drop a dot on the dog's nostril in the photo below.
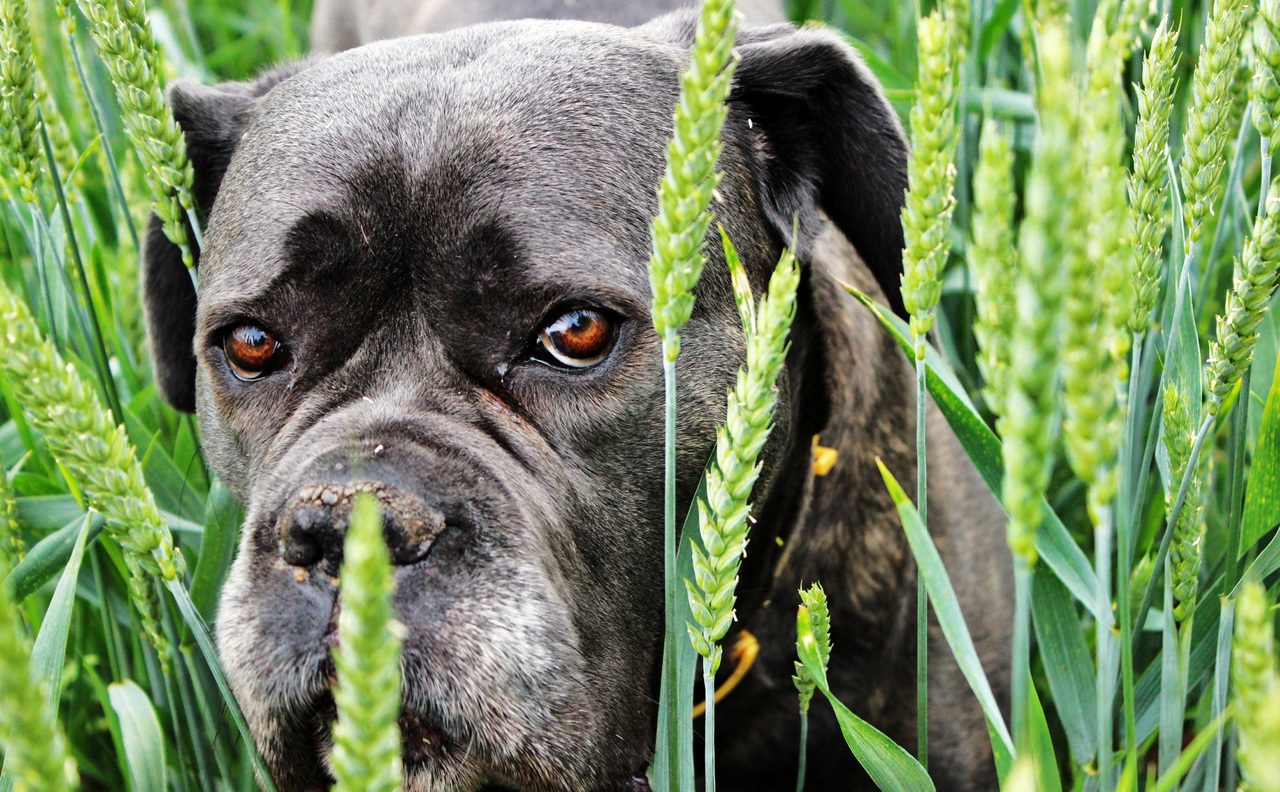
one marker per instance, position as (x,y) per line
(410,534)
(300,548)
(312,531)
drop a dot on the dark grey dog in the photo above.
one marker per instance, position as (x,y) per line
(426,260)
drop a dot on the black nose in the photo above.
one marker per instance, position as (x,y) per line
(313,524)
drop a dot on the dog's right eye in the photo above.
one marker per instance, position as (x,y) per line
(577,339)
(250,351)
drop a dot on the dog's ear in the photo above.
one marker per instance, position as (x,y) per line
(212,120)
(831,141)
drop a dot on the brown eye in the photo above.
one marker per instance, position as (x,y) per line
(579,338)
(250,350)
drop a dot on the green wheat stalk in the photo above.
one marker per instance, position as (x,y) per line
(993,256)
(1096,338)
(1256,690)
(1188,533)
(1091,415)
(814,599)
(1148,188)
(1029,400)
(678,237)
(723,516)
(1264,90)
(85,439)
(684,194)
(366,737)
(35,752)
(1204,141)
(1254,280)
(1182,566)
(127,46)
(19,104)
(1148,181)
(11,546)
(926,223)
(1042,246)
(931,176)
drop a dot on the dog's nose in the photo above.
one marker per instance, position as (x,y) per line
(313,524)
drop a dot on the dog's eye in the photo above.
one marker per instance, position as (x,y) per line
(578,339)
(250,351)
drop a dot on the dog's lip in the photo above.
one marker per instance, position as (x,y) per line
(422,739)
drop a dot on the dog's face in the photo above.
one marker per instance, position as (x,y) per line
(425,275)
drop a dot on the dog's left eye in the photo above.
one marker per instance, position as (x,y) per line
(577,339)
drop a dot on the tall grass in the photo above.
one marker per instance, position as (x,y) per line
(1092,252)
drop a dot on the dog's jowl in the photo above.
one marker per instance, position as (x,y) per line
(425,274)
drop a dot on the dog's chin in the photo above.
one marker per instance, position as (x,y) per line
(432,760)
(436,757)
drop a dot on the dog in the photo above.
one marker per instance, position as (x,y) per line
(425,276)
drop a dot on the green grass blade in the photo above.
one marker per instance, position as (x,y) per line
(890,767)
(1268,561)
(1067,663)
(947,608)
(1169,779)
(144,753)
(223,516)
(1262,499)
(993,29)
(1056,547)
(49,653)
(1171,692)
(1204,628)
(50,556)
(50,513)
(205,642)
(1042,748)
(1221,681)
(682,656)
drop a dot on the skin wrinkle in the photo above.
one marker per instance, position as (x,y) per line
(405,217)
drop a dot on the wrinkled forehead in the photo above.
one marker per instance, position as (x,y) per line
(555,136)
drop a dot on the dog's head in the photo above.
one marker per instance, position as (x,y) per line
(426,275)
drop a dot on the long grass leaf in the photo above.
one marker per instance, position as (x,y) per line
(1042,748)
(1262,499)
(1169,780)
(1171,692)
(223,515)
(49,653)
(51,555)
(144,752)
(947,607)
(1067,664)
(1221,677)
(205,643)
(682,657)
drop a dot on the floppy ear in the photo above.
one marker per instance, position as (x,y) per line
(212,120)
(831,142)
